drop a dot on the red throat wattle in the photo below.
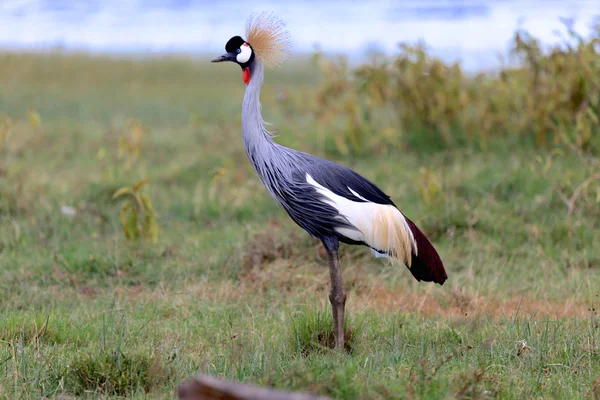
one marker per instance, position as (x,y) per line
(246,75)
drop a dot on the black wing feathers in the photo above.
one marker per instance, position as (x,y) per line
(426,265)
(338,179)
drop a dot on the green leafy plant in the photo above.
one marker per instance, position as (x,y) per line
(138,219)
(430,186)
(130,143)
(6,125)
(34,119)
(119,158)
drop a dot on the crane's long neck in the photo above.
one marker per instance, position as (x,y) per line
(257,140)
(271,161)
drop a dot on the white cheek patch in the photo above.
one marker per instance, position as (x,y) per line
(245,54)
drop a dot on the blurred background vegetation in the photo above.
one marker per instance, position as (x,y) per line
(196,269)
(419,101)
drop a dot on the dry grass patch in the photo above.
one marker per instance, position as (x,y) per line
(458,302)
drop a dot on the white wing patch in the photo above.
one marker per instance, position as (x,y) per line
(356,194)
(381,226)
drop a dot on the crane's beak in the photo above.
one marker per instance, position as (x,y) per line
(225,57)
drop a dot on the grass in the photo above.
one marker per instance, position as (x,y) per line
(234,289)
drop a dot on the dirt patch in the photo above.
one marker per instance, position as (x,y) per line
(461,303)
(88,291)
(377,298)
(269,245)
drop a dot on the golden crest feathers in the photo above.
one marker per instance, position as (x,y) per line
(269,38)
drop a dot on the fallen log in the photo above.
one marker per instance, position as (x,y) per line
(206,387)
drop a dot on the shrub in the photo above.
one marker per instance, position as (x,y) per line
(416,98)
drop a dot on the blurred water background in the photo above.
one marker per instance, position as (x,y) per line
(475,32)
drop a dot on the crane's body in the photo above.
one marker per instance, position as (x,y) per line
(331,202)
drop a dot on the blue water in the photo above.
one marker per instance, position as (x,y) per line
(475,32)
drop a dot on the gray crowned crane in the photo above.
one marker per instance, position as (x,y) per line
(331,202)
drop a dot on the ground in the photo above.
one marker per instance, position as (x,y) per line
(233,288)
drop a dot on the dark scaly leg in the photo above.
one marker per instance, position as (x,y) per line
(337,297)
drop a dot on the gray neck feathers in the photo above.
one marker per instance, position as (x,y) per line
(273,163)
(257,139)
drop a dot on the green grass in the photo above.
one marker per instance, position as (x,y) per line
(234,289)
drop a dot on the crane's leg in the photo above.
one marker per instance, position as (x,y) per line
(337,297)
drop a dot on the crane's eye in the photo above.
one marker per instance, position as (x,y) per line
(239,51)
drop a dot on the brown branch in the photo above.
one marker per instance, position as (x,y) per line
(206,387)
(590,162)
(578,191)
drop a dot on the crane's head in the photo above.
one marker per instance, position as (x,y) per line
(239,52)
(267,41)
